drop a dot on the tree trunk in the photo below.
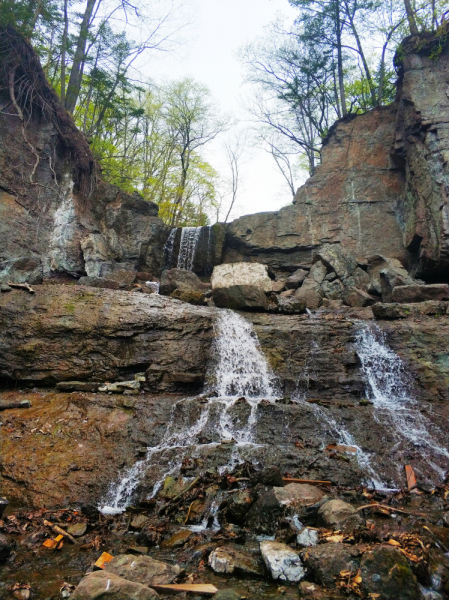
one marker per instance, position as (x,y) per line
(362,55)
(76,74)
(411,18)
(341,81)
(63,49)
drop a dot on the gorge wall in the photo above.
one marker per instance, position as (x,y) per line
(382,187)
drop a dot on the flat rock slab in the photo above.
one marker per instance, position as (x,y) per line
(282,561)
(143,569)
(100,584)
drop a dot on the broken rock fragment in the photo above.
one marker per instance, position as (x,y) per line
(282,561)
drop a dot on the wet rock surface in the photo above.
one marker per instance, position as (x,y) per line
(108,585)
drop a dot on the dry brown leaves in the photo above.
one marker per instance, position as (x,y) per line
(349,582)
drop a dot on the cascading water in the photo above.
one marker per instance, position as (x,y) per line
(239,369)
(388,387)
(169,248)
(187,247)
(194,249)
(342,436)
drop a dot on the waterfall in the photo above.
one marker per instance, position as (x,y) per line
(338,430)
(187,247)
(238,368)
(389,388)
(169,248)
(194,249)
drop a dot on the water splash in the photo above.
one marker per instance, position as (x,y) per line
(239,369)
(389,388)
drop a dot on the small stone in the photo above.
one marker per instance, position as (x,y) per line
(179,539)
(307,537)
(298,494)
(335,512)
(282,562)
(4,287)
(77,529)
(139,521)
(295,280)
(269,476)
(228,559)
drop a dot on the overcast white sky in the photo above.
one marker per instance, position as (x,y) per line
(219,29)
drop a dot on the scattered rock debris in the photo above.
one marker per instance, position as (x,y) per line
(377,545)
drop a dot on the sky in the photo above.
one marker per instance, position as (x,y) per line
(219,28)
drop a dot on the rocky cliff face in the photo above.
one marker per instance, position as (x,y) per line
(382,187)
(65,333)
(57,218)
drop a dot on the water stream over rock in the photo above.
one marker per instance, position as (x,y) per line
(390,388)
(239,372)
(190,248)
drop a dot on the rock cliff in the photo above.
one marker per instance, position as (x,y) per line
(382,187)
(57,218)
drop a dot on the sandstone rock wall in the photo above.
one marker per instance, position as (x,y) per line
(382,187)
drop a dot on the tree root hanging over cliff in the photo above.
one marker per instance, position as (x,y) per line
(23,80)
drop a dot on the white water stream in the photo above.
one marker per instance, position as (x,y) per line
(238,369)
(389,388)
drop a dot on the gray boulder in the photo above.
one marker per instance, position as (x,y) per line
(295,280)
(291,305)
(101,584)
(318,272)
(180,278)
(338,259)
(240,297)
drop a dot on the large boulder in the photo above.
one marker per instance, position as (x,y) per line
(325,562)
(241,297)
(241,274)
(282,561)
(386,572)
(102,584)
(143,569)
(420,293)
(336,258)
(173,279)
(310,293)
